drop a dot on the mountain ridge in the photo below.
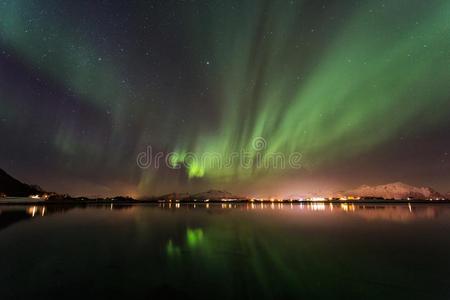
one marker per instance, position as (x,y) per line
(396,190)
(11,187)
(207,195)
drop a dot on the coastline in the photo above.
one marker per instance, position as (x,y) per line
(76,202)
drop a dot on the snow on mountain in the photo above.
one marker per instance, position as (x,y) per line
(213,195)
(216,195)
(397,190)
(174,196)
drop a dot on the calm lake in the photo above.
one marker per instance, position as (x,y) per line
(229,251)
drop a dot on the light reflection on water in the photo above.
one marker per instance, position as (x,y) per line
(394,212)
(226,251)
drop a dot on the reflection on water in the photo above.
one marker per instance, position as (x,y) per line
(193,239)
(16,213)
(225,251)
(392,212)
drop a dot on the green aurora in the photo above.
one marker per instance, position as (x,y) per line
(333,84)
(369,84)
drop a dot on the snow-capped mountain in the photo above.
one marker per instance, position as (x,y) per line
(216,195)
(213,195)
(397,190)
(174,196)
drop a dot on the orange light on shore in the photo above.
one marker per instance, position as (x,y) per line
(318,199)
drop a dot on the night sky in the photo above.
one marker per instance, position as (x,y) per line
(360,88)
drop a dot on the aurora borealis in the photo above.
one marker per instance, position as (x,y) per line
(360,88)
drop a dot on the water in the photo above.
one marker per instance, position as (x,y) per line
(225,252)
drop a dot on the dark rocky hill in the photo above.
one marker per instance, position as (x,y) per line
(11,187)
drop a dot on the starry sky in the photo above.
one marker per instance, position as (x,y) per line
(361,88)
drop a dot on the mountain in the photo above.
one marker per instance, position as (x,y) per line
(213,195)
(12,187)
(174,196)
(397,190)
(217,195)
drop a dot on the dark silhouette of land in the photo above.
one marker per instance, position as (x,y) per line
(11,187)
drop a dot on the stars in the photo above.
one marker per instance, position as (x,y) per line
(315,75)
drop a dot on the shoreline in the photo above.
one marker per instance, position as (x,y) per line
(139,202)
